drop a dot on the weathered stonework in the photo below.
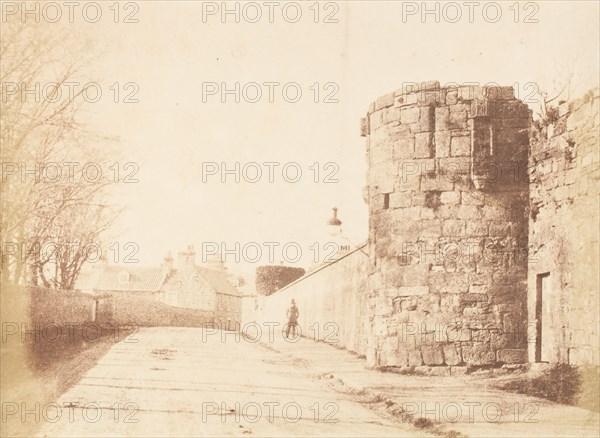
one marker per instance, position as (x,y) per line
(448,201)
(483,250)
(563,267)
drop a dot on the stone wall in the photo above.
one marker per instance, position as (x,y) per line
(563,271)
(331,301)
(448,202)
(228,311)
(128,310)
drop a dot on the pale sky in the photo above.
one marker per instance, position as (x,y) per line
(370,52)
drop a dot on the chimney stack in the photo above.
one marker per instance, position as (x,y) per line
(167,264)
(187,259)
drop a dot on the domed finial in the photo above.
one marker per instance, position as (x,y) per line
(334,220)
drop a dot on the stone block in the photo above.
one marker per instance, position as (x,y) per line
(424,145)
(413,290)
(426,212)
(371,108)
(418,199)
(442,143)
(384,101)
(390,343)
(383,306)
(512,355)
(470,298)
(459,371)
(455,334)
(415,277)
(414,358)
(442,118)
(436,182)
(468,212)
(400,200)
(478,289)
(477,228)
(381,153)
(375,120)
(408,88)
(478,354)
(377,202)
(364,127)
(408,183)
(494,212)
(405,99)
(431,97)
(509,109)
(469,92)
(458,117)
(472,197)
(499,93)
(404,148)
(410,115)
(455,283)
(460,146)
(450,197)
(452,96)
(426,119)
(432,355)
(451,354)
(430,228)
(391,115)
(412,213)
(453,227)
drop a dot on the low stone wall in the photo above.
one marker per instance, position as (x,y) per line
(331,300)
(145,312)
(564,237)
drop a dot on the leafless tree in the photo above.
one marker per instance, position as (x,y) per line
(40,212)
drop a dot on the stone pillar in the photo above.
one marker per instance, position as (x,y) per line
(448,207)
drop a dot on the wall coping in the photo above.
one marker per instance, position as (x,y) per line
(308,274)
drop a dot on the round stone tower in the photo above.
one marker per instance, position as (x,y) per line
(447,193)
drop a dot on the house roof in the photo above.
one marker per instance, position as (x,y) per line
(219,281)
(215,278)
(140,279)
(144,279)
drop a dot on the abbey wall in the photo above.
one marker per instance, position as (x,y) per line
(563,284)
(483,235)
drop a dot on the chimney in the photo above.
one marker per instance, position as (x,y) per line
(167,264)
(186,259)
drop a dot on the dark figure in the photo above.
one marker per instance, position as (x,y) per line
(292,316)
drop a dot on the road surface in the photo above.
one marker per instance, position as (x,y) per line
(195,382)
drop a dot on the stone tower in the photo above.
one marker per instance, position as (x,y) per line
(448,224)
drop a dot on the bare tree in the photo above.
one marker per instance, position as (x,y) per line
(38,128)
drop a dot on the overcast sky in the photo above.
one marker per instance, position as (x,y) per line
(171,132)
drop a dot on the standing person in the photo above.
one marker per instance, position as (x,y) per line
(292,316)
